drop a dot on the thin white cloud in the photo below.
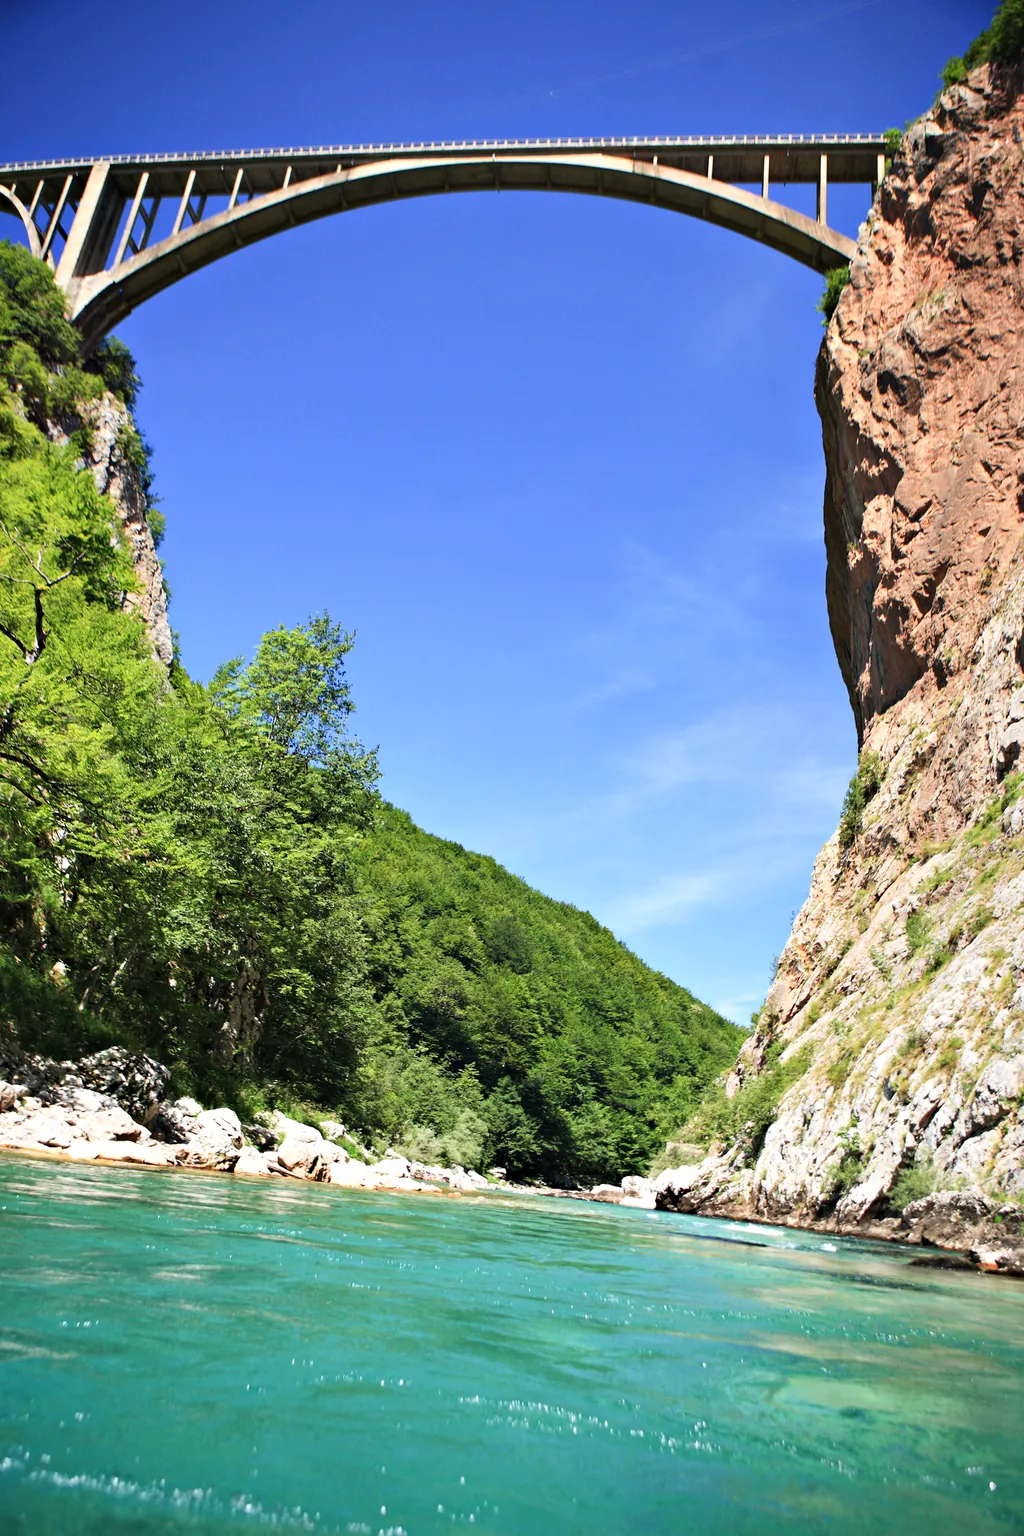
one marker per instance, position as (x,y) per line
(669,900)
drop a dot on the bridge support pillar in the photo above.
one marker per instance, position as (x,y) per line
(764,176)
(88,242)
(823,190)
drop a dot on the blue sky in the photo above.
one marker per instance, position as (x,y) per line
(554,458)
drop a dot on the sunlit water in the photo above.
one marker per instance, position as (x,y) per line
(202,1354)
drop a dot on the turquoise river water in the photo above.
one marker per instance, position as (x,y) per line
(196,1353)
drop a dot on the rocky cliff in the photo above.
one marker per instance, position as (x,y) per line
(116,457)
(899,997)
(116,463)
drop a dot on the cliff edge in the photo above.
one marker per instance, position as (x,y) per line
(898,1004)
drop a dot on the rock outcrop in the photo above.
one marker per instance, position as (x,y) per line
(118,474)
(115,456)
(902,983)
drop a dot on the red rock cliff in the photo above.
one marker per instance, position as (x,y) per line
(902,984)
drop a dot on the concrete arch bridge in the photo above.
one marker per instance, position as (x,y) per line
(118,231)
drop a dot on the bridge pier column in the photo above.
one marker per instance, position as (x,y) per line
(823,190)
(92,230)
(764,176)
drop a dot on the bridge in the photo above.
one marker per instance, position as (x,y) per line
(117,231)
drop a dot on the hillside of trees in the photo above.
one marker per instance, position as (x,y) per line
(208,873)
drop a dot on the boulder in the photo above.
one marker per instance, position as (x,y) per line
(296,1130)
(216,1142)
(252,1163)
(392,1167)
(297,1155)
(177,1122)
(46,1130)
(638,1193)
(350,1175)
(113,1124)
(150,1153)
(942,1219)
(261,1136)
(138,1083)
(611,1194)
(8,1096)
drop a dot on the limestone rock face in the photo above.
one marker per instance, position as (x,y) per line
(118,477)
(903,977)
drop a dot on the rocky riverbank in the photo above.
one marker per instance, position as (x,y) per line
(112,1108)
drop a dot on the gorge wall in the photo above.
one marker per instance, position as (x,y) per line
(114,455)
(118,474)
(900,992)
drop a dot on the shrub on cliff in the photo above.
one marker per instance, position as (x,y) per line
(836,280)
(1002,42)
(862,788)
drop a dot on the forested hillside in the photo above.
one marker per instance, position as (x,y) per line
(207,871)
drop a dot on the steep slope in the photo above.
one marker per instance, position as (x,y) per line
(585,1057)
(899,999)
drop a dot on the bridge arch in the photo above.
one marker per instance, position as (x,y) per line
(96,221)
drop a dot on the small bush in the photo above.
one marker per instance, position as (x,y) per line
(836,279)
(917,931)
(863,787)
(953,72)
(115,366)
(911,1044)
(938,959)
(842,1176)
(912,1184)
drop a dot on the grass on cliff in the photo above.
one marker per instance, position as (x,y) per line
(207,872)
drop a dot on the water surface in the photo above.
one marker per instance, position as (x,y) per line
(200,1354)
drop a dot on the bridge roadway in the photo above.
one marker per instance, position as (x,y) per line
(119,230)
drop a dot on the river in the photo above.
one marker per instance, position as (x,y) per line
(196,1353)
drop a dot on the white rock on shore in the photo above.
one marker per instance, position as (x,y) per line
(58,1108)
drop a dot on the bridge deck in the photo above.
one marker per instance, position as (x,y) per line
(117,231)
(792,158)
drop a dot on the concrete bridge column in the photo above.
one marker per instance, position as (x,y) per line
(89,238)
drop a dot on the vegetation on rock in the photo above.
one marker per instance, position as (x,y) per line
(1002,42)
(836,279)
(208,873)
(862,788)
